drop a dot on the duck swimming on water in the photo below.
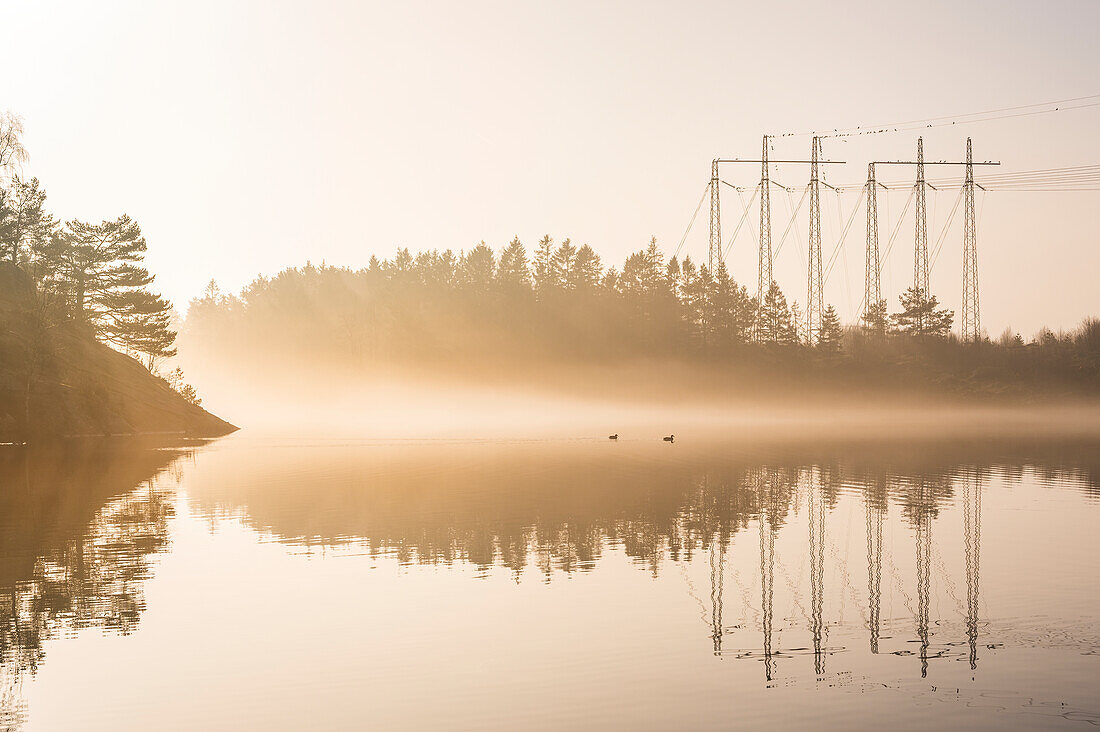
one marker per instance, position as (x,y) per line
(670,438)
(613,437)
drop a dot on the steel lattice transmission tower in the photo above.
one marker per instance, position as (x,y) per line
(814,298)
(764,266)
(920,256)
(714,251)
(971,317)
(872,274)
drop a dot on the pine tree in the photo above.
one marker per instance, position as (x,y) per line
(24,225)
(792,329)
(876,318)
(920,317)
(654,273)
(543,265)
(687,274)
(725,307)
(672,275)
(478,268)
(110,288)
(587,270)
(831,332)
(402,262)
(563,264)
(697,302)
(513,272)
(774,322)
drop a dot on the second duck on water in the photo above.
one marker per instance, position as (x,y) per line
(670,438)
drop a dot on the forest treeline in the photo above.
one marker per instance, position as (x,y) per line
(560,304)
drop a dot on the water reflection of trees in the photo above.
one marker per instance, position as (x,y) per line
(560,509)
(77,529)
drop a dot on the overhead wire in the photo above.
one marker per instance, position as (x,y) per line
(692,222)
(1064,179)
(1022,110)
(844,234)
(943,233)
(890,242)
(790,223)
(740,223)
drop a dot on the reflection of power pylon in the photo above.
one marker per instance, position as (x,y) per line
(767,569)
(717,588)
(972,527)
(924,569)
(816,519)
(875,504)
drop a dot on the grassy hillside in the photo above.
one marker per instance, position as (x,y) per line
(58,381)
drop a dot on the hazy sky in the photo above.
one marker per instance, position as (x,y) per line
(247,137)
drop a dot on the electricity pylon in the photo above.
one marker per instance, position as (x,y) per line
(920,256)
(714,251)
(764,265)
(872,277)
(971,317)
(814,298)
(920,252)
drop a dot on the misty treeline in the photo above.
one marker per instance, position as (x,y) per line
(561,304)
(86,276)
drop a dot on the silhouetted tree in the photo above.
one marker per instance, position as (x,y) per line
(876,318)
(562,265)
(732,310)
(110,287)
(799,328)
(831,332)
(543,265)
(12,152)
(513,272)
(775,323)
(587,270)
(24,224)
(479,268)
(697,292)
(920,317)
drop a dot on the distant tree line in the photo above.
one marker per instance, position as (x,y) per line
(561,302)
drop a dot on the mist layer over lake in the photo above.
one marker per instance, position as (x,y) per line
(294,583)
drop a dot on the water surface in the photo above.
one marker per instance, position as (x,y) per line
(313,584)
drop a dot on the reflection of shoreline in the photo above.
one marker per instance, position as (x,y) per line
(77,530)
(559,505)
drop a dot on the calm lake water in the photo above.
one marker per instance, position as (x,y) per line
(310,584)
